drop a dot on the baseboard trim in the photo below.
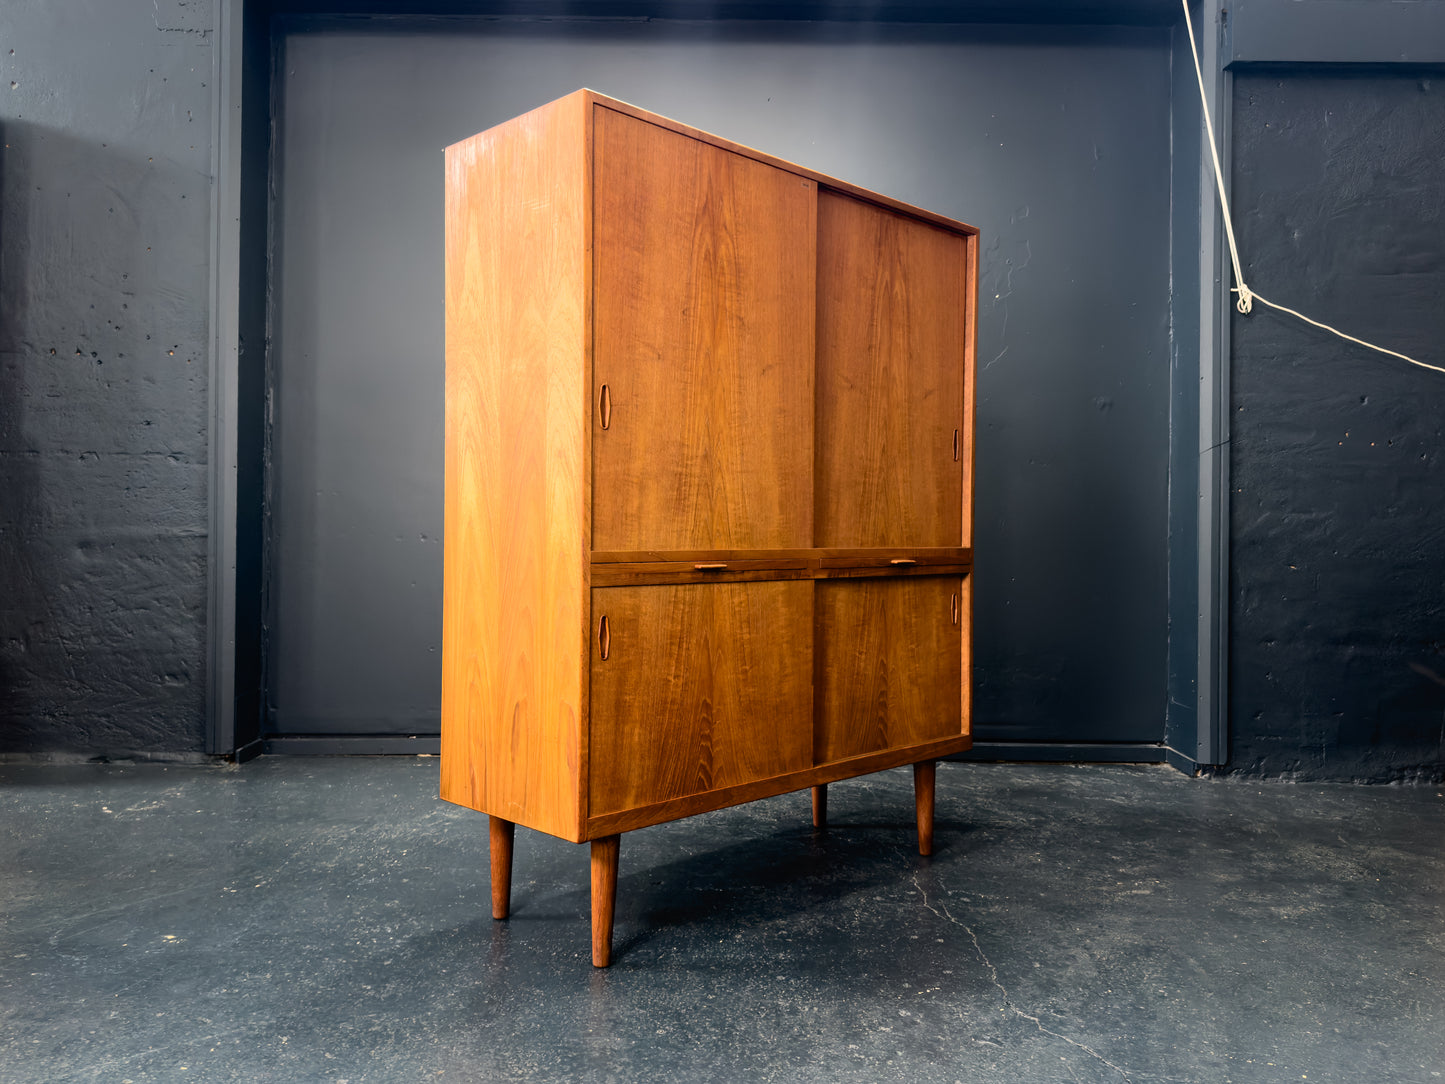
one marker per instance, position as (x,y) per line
(1067,752)
(351,745)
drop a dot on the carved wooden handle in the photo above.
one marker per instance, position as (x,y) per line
(711,566)
(903,562)
(604,637)
(955,445)
(604,406)
(955,609)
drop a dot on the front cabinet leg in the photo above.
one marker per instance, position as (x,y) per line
(502,834)
(604,897)
(820,806)
(923,776)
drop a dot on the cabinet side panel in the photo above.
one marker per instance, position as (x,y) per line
(516,411)
(890,417)
(889,664)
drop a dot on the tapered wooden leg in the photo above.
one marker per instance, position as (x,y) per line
(604,897)
(923,799)
(820,806)
(502,833)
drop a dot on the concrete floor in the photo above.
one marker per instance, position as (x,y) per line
(327,919)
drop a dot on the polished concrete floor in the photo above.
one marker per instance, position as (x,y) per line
(327,919)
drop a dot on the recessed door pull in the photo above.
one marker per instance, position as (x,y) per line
(955,445)
(903,562)
(604,406)
(955,609)
(604,638)
(711,566)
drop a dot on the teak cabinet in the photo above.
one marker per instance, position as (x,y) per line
(709,457)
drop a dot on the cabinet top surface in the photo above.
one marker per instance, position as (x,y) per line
(586,97)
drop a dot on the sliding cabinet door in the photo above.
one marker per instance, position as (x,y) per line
(697,687)
(889,663)
(703,363)
(892,307)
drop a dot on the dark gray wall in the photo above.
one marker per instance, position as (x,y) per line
(1338,459)
(103,366)
(1055,142)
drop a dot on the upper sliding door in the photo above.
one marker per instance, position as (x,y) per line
(892,310)
(703,267)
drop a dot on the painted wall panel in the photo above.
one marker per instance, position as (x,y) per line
(104,248)
(1338,456)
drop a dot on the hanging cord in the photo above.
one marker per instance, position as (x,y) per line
(1248,297)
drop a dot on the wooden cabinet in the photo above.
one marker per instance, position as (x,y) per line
(708,481)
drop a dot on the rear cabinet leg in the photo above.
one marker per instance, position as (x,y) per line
(604,897)
(923,776)
(820,806)
(502,834)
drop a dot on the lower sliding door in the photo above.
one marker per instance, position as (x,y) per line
(888,658)
(696,687)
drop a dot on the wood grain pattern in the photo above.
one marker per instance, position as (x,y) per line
(857,191)
(704,337)
(888,664)
(890,372)
(708,686)
(513,662)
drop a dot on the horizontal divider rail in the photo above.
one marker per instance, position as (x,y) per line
(640,568)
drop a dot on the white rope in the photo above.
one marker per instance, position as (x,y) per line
(1341,334)
(1248,297)
(1243,290)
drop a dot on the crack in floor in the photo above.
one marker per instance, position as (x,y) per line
(941,911)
